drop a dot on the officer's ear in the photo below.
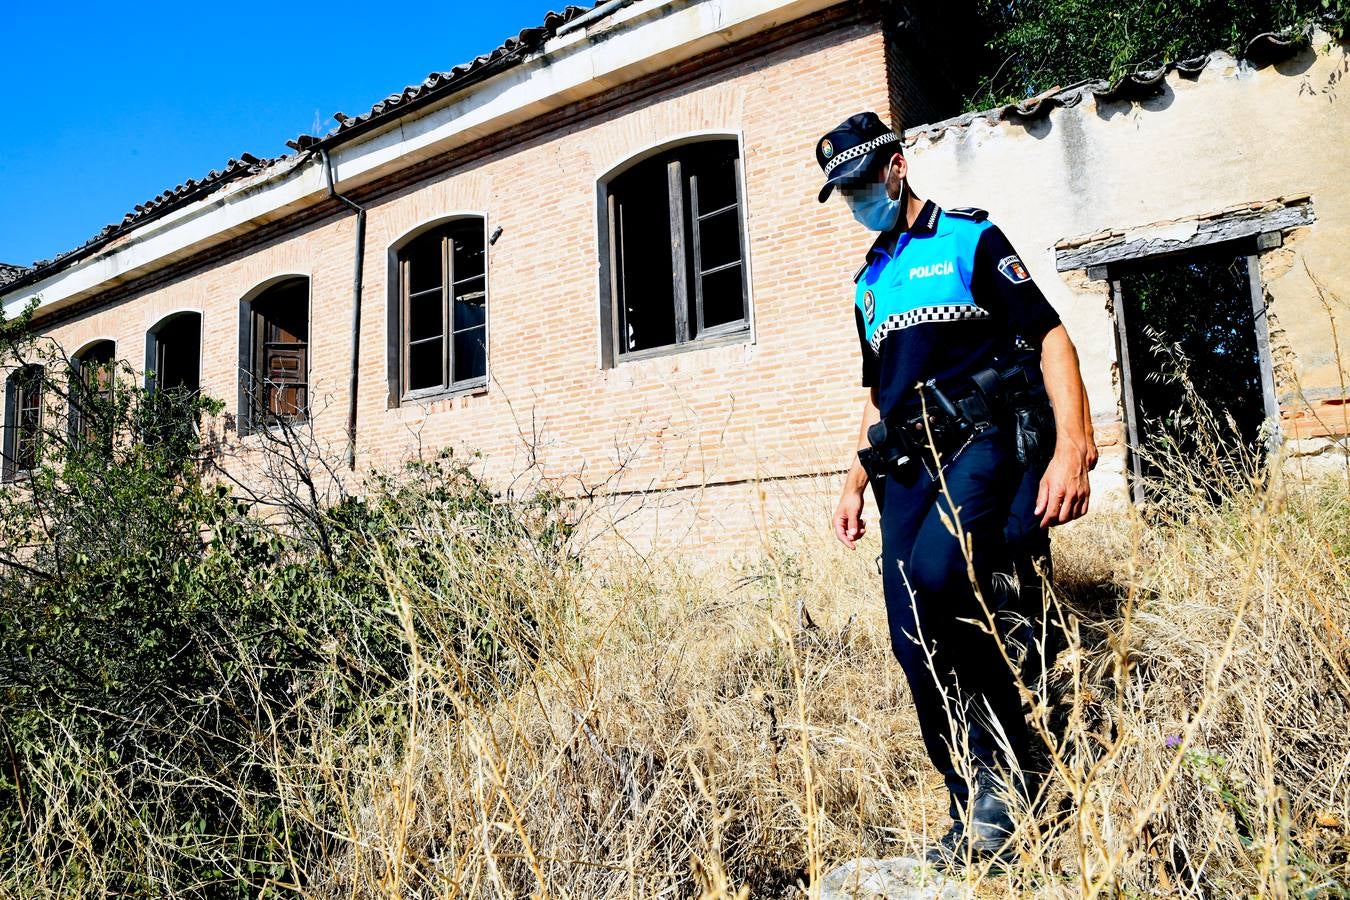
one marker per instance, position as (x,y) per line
(899,165)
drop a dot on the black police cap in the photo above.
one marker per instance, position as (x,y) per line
(855,148)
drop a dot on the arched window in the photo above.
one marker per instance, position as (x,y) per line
(441,280)
(674,252)
(173,354)
(91,389)
(274,355)
(23,420)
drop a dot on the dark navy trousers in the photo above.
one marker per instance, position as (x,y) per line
(958,669)
(1029,545)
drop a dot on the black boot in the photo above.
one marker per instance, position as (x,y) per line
(991,825)
(949,853)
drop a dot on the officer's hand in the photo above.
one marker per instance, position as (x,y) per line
(1064,491)
(849,526)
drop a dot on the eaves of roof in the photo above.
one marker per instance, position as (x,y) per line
(436,86)
(189,191)
(1262,50)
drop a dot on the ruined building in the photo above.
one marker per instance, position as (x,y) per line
(594,255)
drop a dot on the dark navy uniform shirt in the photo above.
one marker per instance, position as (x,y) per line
(952,300)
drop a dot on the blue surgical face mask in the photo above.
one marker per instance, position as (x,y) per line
(873,207)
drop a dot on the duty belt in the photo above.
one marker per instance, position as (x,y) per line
(954,415)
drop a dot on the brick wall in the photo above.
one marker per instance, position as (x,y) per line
(711,422)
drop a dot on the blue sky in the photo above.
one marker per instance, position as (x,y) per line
(109,104)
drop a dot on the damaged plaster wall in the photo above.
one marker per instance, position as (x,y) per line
(1232,134)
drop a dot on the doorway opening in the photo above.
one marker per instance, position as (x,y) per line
(1196,371)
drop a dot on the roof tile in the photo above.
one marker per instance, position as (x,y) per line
(434,85)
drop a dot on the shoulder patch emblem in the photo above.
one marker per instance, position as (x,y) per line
(869,307)
(969,212)
(1012,269)
(826,148)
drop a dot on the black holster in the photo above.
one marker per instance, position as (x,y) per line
(1012,396)
(1026,405)
(1034,432)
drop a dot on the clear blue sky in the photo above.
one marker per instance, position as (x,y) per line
(108,104)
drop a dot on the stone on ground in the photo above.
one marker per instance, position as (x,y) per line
(900,878)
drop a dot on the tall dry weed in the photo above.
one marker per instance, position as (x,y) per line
(534,725)
(739,732)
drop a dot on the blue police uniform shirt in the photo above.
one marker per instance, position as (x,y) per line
(952,300)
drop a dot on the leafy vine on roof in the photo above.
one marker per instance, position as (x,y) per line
(1036,45)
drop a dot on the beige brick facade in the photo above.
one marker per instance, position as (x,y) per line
(725,446)
(781,403)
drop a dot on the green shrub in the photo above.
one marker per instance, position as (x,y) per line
(161,639)
(1036,45)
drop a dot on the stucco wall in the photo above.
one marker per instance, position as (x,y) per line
(1233,135)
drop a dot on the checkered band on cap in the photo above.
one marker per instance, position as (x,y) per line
(844,156)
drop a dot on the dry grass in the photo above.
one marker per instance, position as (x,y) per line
(740,731)
(687,732)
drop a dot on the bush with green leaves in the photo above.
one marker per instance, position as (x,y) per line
(1035,45)
(163,639)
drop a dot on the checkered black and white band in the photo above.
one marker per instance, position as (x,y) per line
(947,312)
(854,152)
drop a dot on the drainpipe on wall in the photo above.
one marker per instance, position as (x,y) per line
(359,270)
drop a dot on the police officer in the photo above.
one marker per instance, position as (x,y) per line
(940,303)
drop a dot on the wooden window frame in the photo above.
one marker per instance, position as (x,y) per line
(696,218)
(447,231)
(686,237)
(16,389)
(254,364)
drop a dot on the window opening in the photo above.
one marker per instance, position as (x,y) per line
(677,259)
(278,371)
(23,437)
(443,283)
(91,394)
(1195,357)
(176,354)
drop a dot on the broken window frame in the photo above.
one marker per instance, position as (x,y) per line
(686,234)
(445,231)
(257,350)
(24,392)
(1247,248)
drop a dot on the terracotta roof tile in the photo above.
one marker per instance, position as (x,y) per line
(10,273)
(440,84)
(435,85)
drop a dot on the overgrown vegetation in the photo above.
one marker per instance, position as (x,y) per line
(416,690)
(1036,45)
(164,643)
